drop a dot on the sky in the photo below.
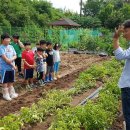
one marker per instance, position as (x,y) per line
(72,5)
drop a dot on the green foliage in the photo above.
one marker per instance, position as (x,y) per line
(102,13)
(37,112)
(26,12)
(98,114)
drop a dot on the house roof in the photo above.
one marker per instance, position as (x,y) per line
(65,22)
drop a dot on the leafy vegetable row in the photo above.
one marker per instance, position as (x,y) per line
(56,99)
(95,115)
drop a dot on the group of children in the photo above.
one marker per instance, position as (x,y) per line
(44,58)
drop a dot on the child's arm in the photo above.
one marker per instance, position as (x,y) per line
(45,55)
(26,63)
(7,60)
(13,66)
(20,44)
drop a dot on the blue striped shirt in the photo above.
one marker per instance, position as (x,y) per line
(121,54)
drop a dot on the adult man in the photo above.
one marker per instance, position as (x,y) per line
(124,82)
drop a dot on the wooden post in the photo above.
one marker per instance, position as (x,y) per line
(81,3)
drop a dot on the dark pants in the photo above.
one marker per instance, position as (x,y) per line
(125,93)
(39,75)
(18,64)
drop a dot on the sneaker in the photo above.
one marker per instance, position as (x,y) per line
(42,84)
(39,82)
(33,86)
(28,87)
(50,78)
(6,95)
(55,78)
(15,95)
(12,92)
(21,75)
(47,79)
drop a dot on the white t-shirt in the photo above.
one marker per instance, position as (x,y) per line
(34,49)
(56,56)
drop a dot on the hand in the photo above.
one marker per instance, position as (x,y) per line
(32,66)
(15,67)
(19,41)
(118,32)
(9,61)
(45,55)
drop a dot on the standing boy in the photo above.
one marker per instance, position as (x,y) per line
(28,59)
(39,66)
(50,63)
(7,57)
(43,45)
(18,45)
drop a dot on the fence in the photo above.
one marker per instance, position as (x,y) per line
(60,35)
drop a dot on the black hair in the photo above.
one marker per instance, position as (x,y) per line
(16,36)
(42,42)
(126,24)
(56,46)
(37,44)
(49,43)
(27,43)
(4,35)
(40,49)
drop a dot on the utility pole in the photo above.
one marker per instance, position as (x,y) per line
(81,3)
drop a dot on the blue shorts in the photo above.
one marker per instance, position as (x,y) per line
(28,73)
(56,66)
(8,76)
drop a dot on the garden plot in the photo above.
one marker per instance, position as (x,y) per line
(99,73)
(65,115)
(71,66)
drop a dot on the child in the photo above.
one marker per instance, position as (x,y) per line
(43,45)
(50,62)
(7,57)
(56,58)
(28,59)
(18,45)
(39,65)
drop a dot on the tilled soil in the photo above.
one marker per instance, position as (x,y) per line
(71,66)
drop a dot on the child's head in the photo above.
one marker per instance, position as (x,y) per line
(15,38)
(126,32)
(49,45)
(43,44)
(5,39)
(40,50)
(27,46)
(56,46)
